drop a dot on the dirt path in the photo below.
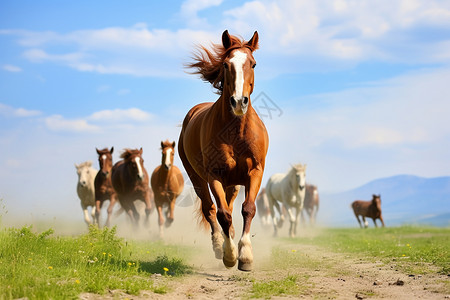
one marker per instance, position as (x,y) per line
(320,275)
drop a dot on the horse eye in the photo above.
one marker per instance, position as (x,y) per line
(225,65)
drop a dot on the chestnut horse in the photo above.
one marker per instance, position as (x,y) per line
(311,204)
(223,145)
(167,184)
(103,186)
(85,188)
(130,181)
(370,209)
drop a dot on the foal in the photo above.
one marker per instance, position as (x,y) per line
(370,209)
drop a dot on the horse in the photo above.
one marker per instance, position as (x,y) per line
(130,181)
(289,189)
(103,186)
(167,184)
(85,188)
(370,209)
(223,145)
(311,204)
(263,208)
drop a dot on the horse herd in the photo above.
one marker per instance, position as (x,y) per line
(127,181)
(222,146)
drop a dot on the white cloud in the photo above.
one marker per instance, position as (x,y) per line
(12,68)
(190,9)
(60,124)
(9,111)
(121,115)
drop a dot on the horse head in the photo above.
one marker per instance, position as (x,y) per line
(238,71)
(135,162)
(376,199)
(299,176)
(105,160)
(84,173)
(168,153)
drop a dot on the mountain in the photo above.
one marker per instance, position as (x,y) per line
(405,199)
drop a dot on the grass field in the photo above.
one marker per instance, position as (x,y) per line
(41,265)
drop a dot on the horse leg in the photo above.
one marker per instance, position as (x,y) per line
(366,224)
(230,253)
(98,209)
(231,194)
(93,213)
(297,217)
(248,212)
(112,202)
(357,218)
(381,219)
(86,214)
(375,222)
(272,202)
(170,212)
(292,220)
(159,209)
(148,207)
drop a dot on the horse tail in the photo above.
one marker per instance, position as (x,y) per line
(201,218)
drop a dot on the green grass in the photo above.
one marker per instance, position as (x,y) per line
(283,287)
(41,266)
(413,249)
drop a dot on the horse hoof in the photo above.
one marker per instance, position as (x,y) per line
(228,264)
(246,267)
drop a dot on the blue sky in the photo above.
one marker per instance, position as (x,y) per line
(360,88)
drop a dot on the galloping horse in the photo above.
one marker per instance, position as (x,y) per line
(130,181)
(224,145)
(289,189)
(311,204)
(370,209)
(103,186)
(167,184)
(85,188)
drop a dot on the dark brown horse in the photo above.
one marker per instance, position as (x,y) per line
(103,186)
(224,144)
(311,204)
(130,180)
(370,209)
(167,184)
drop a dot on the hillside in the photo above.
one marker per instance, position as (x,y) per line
(405,199)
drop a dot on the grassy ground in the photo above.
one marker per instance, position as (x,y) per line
(414,249)
(41,266)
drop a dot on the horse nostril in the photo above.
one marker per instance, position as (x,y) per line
(233,102)
(245,100)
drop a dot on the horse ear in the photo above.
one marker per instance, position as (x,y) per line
(162,145)
(76,166)
(89,163)
(112,150)
(141,151)
(173,144)
(98,152)
(253,42)
(226,39)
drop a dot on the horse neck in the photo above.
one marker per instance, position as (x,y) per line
(164,174)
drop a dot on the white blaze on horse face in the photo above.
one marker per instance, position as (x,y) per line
(238,60)
(138,163)
(167,162)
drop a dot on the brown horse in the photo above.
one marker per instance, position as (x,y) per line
(370,209)
(167,184)
(311,204)
(224,145)
(130,180)
(103,186)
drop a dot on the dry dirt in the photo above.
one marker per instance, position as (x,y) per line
(321,274)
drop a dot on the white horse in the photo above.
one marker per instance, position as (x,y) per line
(85,188)
(289,189)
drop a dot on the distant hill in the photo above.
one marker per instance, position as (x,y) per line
(406,199)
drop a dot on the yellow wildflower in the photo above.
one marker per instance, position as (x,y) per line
(77,281)
(165,269)
(50,268)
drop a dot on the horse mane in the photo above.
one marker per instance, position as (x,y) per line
(85,164)
(127,153)
(209,63)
